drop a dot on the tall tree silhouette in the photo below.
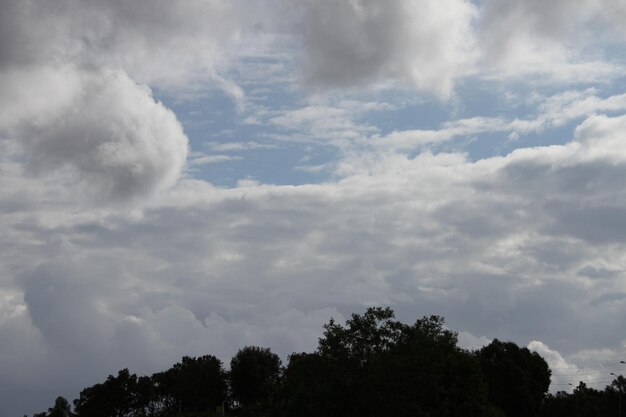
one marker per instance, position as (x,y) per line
(193,385)
(115,397)
(375,365)
(61,408)
(254,376)
(518,379)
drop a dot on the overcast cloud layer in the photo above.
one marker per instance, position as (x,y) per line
(441,157)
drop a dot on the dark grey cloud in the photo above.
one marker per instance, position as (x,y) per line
(598,272)
(359,43)
(433,45)
(114,138)
(166,42)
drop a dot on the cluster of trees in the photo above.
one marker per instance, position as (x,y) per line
(373,365)
(588,402)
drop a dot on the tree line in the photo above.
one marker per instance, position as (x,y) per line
(373,365)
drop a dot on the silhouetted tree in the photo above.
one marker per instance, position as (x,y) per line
(115,397)
(61,408)
(146,402)
(419,370)
(373,365)
(254,376)
(193,385)
(559,404)
(377,366)
(518,379)
(311,387)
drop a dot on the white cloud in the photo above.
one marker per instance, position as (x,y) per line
(558,39)
(72,76)
(594,366)
(345,124)
(238,146)
(563,373)
(203,159)
(469,341)
(324,123)
(36,94)
(170,43)
(554,111)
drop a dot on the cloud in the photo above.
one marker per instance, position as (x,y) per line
(429,45)
(491,245)
(355,43)
(563,373)
(325,123)
(170,43)
(595,370)
(74,75)
(238,146)
(345,125)
(555,20)
(554,111)
(36,94)
(557,39)
(203,159)
(106,132)
(432,46)
(527,246)
(506,22)
(469,341)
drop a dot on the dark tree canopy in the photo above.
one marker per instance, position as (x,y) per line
(518,379)
(618,385)
(375,365)
(193,385)
(254,376)
(115,397)
(371,366)
(588,402)
(61,408)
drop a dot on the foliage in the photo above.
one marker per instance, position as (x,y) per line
(518,379)
(254,376)
(193,385)
(61,408)
(588,402)
(373,365)
(115,397)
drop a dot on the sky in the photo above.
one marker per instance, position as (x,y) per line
(191,177)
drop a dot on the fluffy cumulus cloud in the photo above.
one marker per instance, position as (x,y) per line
(426,44)
(103,131)
(73,76)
